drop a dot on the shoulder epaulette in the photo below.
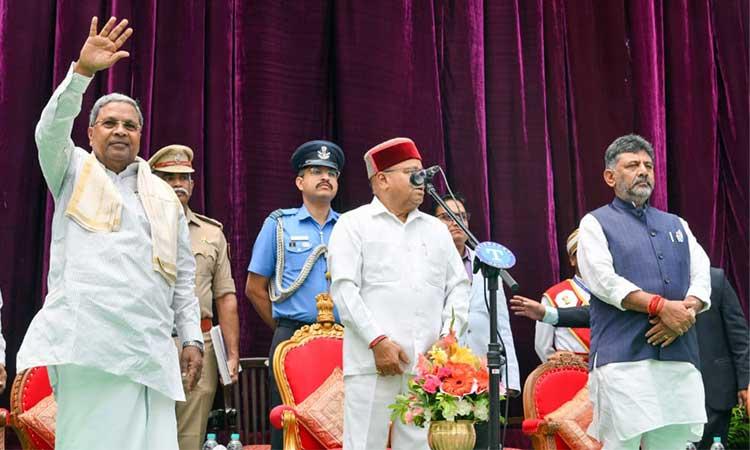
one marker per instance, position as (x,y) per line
(209,220)
(282,212)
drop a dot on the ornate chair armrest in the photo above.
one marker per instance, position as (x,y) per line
(285,417)
(539,427)
(277,415)
(530,426)
(4,417)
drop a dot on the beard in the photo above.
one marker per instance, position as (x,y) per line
(636,191)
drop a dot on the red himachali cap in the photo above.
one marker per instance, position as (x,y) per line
(390,153)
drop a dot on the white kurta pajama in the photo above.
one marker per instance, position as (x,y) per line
(108,313)
(393,278)
(659,404)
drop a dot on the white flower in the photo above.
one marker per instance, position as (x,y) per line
(463,407)
(450,416)
(482,412)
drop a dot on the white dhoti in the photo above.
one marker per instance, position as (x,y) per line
(366,414)
(96,409)
(659,405)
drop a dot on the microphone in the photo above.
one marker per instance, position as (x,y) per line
(418,178)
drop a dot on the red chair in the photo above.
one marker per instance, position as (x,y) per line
(300,366)
(29,388)
(547,388)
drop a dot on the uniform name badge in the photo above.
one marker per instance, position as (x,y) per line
(299,241)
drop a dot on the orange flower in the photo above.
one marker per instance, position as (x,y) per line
(461,380)
(448,342)
(483,379)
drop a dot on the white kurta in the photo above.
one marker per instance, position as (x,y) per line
(632,398)
(477,335)
(402,280)
(548,338)
(106,307)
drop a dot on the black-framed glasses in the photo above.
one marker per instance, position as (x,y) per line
(111,124)
(445,218)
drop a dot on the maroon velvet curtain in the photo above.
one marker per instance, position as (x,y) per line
(517,99)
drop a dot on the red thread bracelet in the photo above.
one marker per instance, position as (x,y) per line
(377,340)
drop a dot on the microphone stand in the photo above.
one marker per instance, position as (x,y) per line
(496,349)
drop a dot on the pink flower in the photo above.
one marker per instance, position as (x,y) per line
(408,417)
(444,372)
(424,366)
(431,384)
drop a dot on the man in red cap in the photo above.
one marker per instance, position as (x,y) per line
(397,281)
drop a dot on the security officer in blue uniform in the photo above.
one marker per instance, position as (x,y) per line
(288,265)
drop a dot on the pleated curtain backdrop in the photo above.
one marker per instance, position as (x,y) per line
(516,99)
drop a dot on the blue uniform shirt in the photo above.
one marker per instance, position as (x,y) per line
(301,235)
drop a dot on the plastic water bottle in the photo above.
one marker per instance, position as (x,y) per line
(717,444)
(210,443)
(235,444)
(690,446)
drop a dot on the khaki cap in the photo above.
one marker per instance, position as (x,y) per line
(173,159)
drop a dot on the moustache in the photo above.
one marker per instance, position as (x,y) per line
(641,180)
(179,190)
(324,183)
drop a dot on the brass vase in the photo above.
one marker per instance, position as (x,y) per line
(458,435)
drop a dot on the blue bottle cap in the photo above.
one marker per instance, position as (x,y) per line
(235,436)
(717,439)
(211,437)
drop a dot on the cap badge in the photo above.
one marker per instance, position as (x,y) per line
(323,153)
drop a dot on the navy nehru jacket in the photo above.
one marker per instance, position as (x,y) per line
(649,248)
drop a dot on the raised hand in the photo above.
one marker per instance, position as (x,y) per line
(101,50)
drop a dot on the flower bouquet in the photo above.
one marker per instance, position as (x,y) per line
(451,384)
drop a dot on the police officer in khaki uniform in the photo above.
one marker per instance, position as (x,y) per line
(213,281)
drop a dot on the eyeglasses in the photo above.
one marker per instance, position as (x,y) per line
(445,218)
(111,124)
(408,171)
(318,171)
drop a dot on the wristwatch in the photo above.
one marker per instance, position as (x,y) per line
(197,344)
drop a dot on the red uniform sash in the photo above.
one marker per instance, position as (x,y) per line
(567,294)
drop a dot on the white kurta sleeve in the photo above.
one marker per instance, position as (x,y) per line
(345,265)
(700,270)
(503,326)
(52,134)
(184,302)
(457,289)
(595,263)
